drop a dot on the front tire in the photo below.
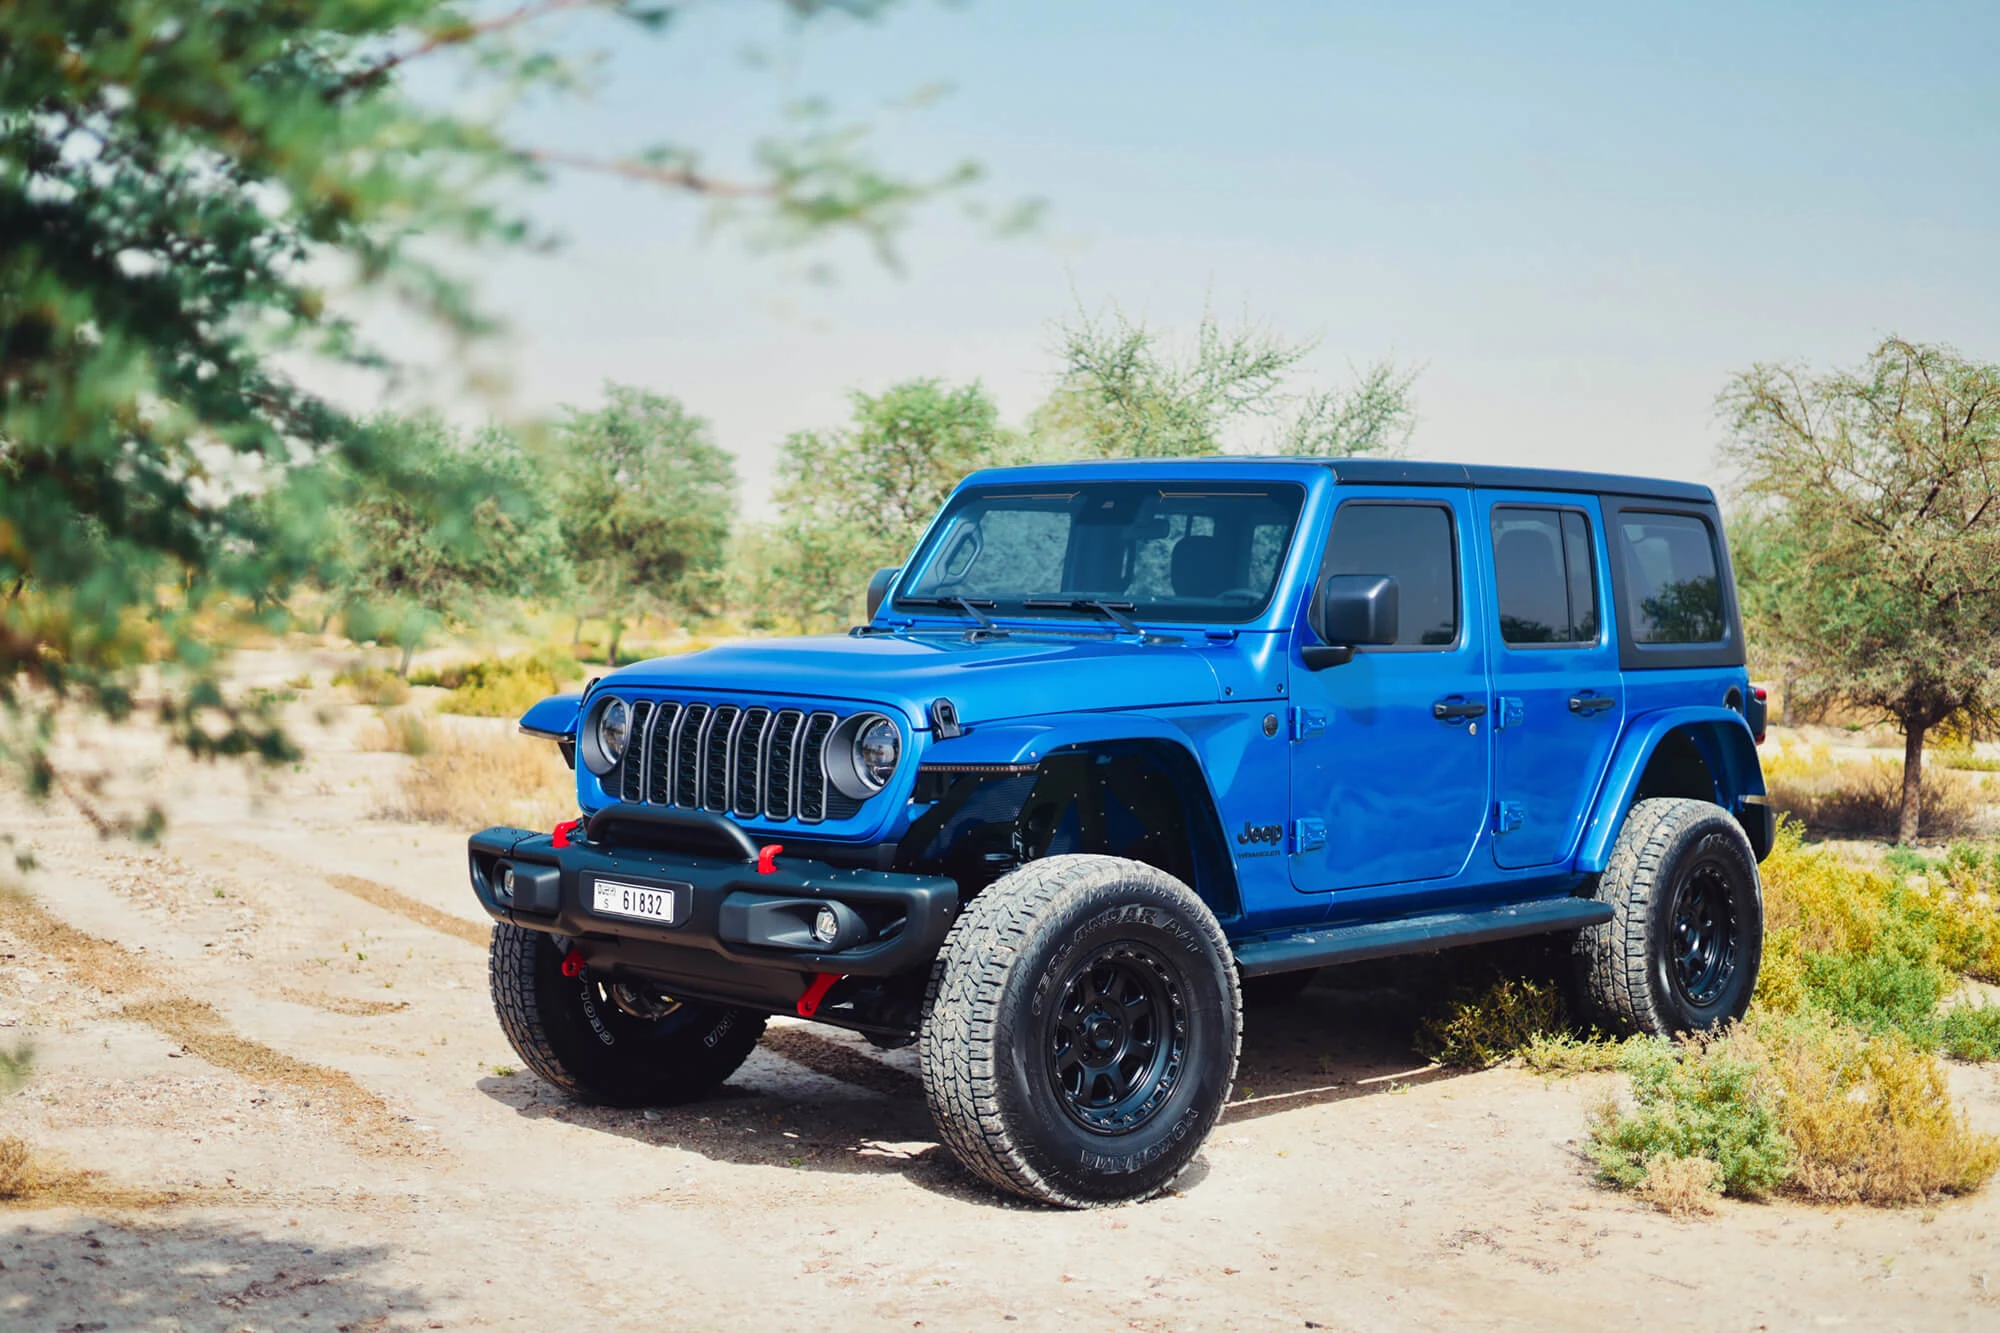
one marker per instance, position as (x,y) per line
(612,1045)
(1681,950)
(1080,1031)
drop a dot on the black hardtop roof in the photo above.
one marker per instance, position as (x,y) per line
(1385,471)
(1405,472)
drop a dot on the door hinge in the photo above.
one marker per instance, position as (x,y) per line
(1508,816)
(1308,835)
(1507,712)
(1307,723)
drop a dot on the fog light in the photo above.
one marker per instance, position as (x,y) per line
(826,926)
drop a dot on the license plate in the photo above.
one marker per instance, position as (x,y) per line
(638,901)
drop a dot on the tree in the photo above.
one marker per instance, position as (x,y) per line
(646,498)
(467,525)
(177,181)
(852,500)
(1122,394)
(1875,499)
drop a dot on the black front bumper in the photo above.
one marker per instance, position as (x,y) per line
(735,933)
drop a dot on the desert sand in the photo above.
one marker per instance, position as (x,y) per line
(267,1062)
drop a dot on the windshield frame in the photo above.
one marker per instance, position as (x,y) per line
(1084,615)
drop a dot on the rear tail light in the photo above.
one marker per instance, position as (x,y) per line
(1760,711)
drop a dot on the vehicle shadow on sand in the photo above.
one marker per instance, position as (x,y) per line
(85,1271)
(816,1099)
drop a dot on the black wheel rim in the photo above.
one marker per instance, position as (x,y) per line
(1118,1038)
(1702,950)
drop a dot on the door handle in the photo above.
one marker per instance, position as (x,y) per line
(1585,705)
(1456,709)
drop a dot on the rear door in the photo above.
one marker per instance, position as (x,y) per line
(1390,766)
(1558,696)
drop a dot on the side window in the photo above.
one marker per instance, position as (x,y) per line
(1413,544)
(1675,593)
(1545,574)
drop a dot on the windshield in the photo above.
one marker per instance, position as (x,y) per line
(1180,552)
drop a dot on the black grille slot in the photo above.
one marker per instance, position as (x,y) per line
(632,765)
(721,731)
(687,755)
(781,754)
(812,767)
(746,761)
(660,756)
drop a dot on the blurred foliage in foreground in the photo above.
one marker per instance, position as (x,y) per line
(188,193)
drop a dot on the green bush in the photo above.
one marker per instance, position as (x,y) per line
(1711,1100)
(1970,1032)
(1486,1028)
(503,686)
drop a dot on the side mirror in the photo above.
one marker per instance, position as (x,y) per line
(878,588)
(1350,610)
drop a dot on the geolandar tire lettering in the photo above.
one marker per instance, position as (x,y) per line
(1080,1032)
(1681,950)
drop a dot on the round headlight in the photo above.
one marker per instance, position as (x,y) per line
(876,751)
(614,729)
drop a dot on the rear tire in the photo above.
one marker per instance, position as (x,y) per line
(1681,950)
(1080,1031)
(577,1035)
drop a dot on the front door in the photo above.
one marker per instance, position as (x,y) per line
(1558,695)
(1390,750)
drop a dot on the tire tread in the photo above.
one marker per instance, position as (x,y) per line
(963,1019)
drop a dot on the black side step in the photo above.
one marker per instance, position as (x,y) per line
(1324,945)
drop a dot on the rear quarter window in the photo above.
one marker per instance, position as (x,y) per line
(1673,591)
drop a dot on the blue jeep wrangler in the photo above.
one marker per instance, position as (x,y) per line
(1122,735)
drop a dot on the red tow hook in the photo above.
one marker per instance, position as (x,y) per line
(767,858)
(822,982)
(572,964)
(562,831)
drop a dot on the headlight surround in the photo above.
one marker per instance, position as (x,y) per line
(605,734)
(862,755)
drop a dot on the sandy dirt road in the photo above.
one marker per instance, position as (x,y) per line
(271,1038)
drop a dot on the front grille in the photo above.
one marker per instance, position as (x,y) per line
(753,763)
(631,786)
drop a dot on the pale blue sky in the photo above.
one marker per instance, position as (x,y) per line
(1576,219)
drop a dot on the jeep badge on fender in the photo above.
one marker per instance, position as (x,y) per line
(1033,815)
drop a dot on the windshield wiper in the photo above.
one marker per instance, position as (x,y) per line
(970,605)
(1114,610)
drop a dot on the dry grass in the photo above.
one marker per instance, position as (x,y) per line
(16,1170)
(1872,1117)
(504,686)
(341,1004)
(1478,1031)
(407,732)
(1564,1054)
(1799,1104)
(393,900)
(1862,798)
(1680,1186)
(1872,947)
(1965,759)
(30,1180)
(472,782)
(196,1026)
(375,685)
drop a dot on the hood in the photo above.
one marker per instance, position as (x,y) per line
(988,679)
